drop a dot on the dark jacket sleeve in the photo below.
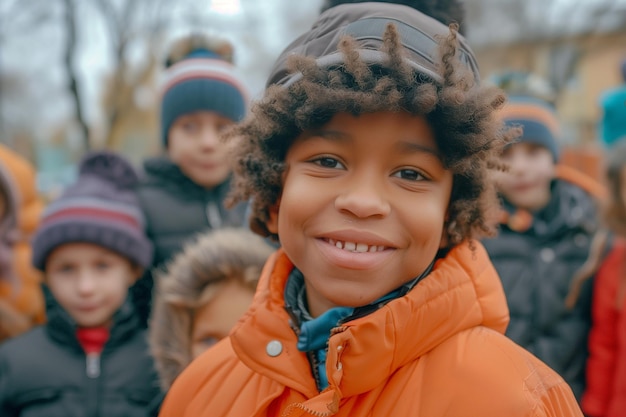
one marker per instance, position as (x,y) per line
(5,385)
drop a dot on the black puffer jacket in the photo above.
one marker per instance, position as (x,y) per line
(44,372)
(536,268)
(176,210)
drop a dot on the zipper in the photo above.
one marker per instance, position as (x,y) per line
(302,407)
(92,368)
(93,371)
(213,215)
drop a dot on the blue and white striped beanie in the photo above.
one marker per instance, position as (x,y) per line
(202,80)
(101,208)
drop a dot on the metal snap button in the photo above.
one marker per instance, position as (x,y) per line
(274,348)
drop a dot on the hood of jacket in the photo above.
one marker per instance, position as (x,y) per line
(8,225)
(23,176)
(23,296)
(463,291)
(220,255)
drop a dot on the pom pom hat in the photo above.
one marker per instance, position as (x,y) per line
(538,120)
(202,79)
(420,36)
(100,208)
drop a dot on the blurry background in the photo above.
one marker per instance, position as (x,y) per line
(82,74)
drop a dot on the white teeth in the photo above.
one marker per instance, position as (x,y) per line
(356,247)
(361,247)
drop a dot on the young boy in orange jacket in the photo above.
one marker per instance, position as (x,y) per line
(368,159)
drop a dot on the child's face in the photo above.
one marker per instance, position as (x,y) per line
(526,184)
(89,282)
(363,206)
(194,145)
(213,321)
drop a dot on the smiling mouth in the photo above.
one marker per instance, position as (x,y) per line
(355,246)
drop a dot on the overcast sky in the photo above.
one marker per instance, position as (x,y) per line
(33,57)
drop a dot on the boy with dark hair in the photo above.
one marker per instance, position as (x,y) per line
(91,357)
(548,226)
(182,192)
(368,158)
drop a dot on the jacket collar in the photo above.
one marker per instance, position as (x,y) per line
(463,291)
(62,328)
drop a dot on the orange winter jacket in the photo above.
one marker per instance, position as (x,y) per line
(437,351)
(23,303)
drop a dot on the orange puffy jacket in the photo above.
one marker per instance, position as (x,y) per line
(22,306)
(437,351)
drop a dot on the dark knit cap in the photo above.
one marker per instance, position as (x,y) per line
(537,119)
(202,81)
(366,23)
(101,208)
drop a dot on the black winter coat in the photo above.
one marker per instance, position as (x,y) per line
(176,210)
(536,268)
(43,373)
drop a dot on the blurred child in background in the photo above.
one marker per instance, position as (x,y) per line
(21,298)
(549,221)
(182,191)
(91,357)
(605,394)
(201,295)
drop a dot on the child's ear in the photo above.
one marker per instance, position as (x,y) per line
(272,222)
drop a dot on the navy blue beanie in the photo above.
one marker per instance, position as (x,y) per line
(201,81)
(537,119)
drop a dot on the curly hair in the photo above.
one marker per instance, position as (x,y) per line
(469,135)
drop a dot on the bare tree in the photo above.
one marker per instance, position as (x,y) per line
(69,53)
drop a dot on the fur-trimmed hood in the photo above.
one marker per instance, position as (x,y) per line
(185,284)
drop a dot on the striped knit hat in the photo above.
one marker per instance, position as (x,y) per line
(100,208)
(538,120)
(203,79)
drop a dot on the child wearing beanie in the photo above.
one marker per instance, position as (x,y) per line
(369,158)
(91,357)
(548,223)
(182,192)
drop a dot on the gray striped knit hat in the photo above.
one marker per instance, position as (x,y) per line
(101,208)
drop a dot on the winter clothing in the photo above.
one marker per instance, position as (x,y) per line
(202,81)
(221,255)
(176,210)
(21,299)
(537,260)
(538,119)
(605,394)
(613,107)
(445,11)
(419,33)
(100,208)
(8,226)
(438,350)
(46,372)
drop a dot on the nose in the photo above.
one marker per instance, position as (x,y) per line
(364,197)
(86,283)
(210,138)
